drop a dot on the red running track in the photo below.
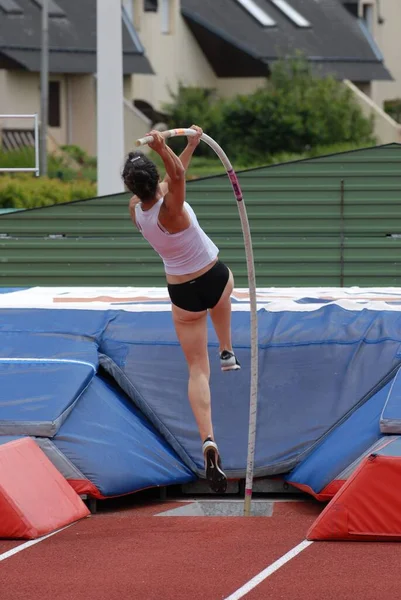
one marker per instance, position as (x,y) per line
(337,571)
(134,555)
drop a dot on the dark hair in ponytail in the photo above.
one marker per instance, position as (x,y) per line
(141,176)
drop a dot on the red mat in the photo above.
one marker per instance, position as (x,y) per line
(35,499)
(368,506)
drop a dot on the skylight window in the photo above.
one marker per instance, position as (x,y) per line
(257,13)
(291,13)
(10,7)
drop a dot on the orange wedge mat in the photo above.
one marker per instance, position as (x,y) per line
(35,499)
(367,507)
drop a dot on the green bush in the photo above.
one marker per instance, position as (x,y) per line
(328,111)
(69,174)
(80,156)
(293,112)
(29,192)
(194,105)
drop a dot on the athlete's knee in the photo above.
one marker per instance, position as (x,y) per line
(198,367)
(186,318)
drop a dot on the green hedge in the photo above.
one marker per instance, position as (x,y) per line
(293,112)
(30,192)
(80,156)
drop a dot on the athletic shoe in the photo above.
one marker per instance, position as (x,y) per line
(228,361)
(214,474)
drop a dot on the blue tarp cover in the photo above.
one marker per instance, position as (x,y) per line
(316,369)
(41,378)
(35,397)
(114,446)
(342,446)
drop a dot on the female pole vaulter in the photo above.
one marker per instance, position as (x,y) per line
(198,282)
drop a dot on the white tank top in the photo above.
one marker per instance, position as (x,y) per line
(182,253)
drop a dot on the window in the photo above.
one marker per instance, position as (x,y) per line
(257,13)
(367,15)
(54,114)
(10,7)
(291,13)
(165,16)
(150,5)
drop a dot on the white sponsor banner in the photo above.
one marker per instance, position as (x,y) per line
(136,299)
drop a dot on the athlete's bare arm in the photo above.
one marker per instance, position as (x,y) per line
(185,157)
(175,197)
(193,142)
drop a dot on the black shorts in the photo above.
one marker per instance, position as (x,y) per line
(201,293)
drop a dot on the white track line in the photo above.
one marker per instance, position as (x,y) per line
(27,545)
(252,583)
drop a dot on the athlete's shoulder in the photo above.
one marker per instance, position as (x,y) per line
(133,203)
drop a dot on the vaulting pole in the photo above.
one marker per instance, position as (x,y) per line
(253,403)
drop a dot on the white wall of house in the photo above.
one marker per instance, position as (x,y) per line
(20,94)
(388,38)
(172,51)
(230,86)
(136,125)
(82,112)
(176,57)
(386,130)
(23,96)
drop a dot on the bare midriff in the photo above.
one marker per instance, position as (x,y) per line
(174,279)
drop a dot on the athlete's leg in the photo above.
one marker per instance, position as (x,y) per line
(221,318)
(191,328)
